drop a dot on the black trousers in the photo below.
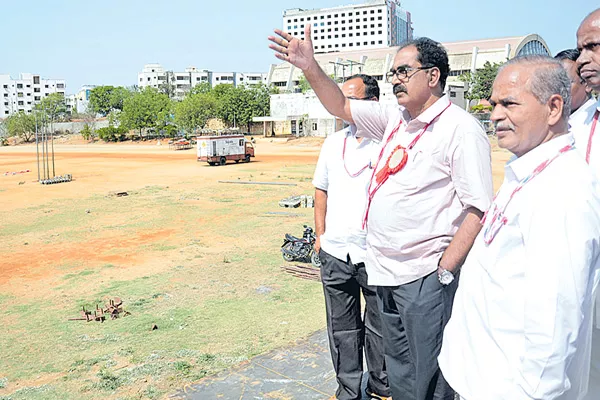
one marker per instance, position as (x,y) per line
(348,332)
(414,316)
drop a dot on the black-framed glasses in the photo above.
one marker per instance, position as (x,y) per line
(402,72)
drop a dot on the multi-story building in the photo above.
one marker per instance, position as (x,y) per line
(377,23)
(24,93)
(79,101)
(179,83)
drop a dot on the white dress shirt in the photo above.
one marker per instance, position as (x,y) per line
(415,214)
(346,195)
(581,125)
(522,315)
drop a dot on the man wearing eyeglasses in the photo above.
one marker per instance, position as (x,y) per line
(341,179)
(521,321)
(432,183)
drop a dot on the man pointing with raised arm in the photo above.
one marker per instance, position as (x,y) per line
(431,184)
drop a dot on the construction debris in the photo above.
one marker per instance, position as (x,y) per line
(259,183)
(305,272)
(305,201)
(16,172)
(114,309)
(57,179)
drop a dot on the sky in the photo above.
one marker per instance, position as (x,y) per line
(108,42)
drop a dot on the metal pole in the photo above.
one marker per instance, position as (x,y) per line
(47,158)
(52,138)
(37,147)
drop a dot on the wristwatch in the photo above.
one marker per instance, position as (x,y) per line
(445,277)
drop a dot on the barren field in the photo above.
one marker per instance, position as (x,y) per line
(197,258)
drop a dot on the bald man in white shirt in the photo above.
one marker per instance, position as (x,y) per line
(522,315)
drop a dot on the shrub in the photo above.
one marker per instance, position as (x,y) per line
(87,133)
(112,133)
(480,108)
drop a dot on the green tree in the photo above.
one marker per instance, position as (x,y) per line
(203,87)
(21,125)
(195,110)
(143,110)
(52,106)
(480,82)
(303,84)
(104,99)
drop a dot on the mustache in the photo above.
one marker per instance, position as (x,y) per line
(504,126)
(399,88)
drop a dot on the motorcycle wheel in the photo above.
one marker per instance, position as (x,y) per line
(287,257)
(314,259)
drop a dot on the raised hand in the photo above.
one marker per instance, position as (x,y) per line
(296,51)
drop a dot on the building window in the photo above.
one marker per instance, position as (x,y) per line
(372,11)
(373,42)
(329,30)
(6,112)
(322,23)
(335,22)
(379,18)
(328,36)
(60,85)
(336,46)
(380,42)
(19,94)
(364,12)
(365,43)
(343,28)
(349,14)
(328,22)
(379,11)
(329,16)
(20,103)
(308,18)
(343,44)
(365,19)
(295,19)
(350,35)
(28,94)
(452,94)
(358,43)
(322,17)
(335,15)
(336,29)
(336,36)
(148,80)
(343,35)
(328,46)
(301,19)
(379,32)
(5,86)
(322,37)
(36,98)
(36,80)
(357,33)
(19,86)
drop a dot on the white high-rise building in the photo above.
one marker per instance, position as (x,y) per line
(24,93)
(154,75)
(376,23)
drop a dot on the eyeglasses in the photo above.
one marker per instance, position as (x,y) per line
(401,72)
(358,98)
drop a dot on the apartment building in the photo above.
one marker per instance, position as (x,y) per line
(374,24)
(24,93)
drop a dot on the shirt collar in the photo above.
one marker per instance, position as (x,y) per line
(586,110)
(434,110)
(523,166)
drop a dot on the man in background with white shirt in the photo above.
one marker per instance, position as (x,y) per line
(585,128)
(341,180)
(581,98)
(522,315)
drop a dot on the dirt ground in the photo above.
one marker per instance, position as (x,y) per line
(74,243)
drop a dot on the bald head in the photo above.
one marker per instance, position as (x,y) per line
(588,43)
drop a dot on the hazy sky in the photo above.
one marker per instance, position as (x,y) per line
(109,41)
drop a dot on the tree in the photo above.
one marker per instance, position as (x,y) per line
(195,110)
(480,82)
(142,110)
(104,99)
(22,125)
(52,106)
(203,87)
(303,84)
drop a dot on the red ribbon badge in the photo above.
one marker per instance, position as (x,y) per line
(396,161)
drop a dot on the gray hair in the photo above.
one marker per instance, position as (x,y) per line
(550,78)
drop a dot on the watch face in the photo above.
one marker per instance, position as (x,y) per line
(446,278)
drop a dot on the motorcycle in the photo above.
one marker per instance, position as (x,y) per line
(301,249)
